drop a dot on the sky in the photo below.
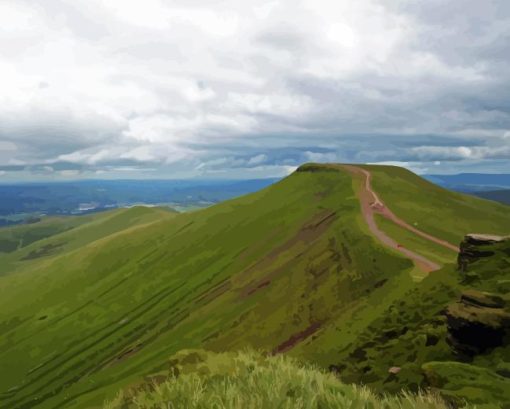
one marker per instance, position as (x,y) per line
(251,89)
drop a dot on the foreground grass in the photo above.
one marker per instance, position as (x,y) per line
(199,379)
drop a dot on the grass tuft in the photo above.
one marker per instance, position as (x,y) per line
(249,380)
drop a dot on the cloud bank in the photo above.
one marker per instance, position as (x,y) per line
(251,89)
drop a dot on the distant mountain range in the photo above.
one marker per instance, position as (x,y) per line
(486,185)
(472,182)
(26,201)
(502,196)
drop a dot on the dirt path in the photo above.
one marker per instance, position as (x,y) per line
(372,204)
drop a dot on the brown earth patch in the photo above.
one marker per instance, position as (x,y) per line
(258,287)
(297,338)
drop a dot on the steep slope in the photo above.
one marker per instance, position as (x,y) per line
(293,268)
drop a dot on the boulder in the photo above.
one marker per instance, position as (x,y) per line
(477,322)
(475,247)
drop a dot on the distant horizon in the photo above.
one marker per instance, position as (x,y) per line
(197,179)
(210,178)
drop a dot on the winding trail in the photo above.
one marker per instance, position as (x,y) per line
(372,204)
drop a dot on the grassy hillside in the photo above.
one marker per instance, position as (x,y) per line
(431,250)
(224,277)
(53,236)
(435,210)
(15,237)
(290,269)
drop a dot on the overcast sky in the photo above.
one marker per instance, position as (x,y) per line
(248,89)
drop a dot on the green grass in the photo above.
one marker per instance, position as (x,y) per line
(91,309)
(461,381)
(407,333)
(200,380)
(432,251)
(54,236)
(19,236)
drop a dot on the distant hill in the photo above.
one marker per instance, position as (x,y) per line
(502,196)
(488,186)
(472,182)
(349,268)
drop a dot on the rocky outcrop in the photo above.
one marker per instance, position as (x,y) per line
(475,247)
(481,299)
(477,322)
(480,320)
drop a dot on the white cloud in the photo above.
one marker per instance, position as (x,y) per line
(255,160)
(462,152)
(320,156)
(17,18)
(271,104)
(443,152)
(69,173)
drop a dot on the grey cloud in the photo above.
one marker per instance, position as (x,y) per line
(40,135)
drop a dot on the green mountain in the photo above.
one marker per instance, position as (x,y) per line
(350,268)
